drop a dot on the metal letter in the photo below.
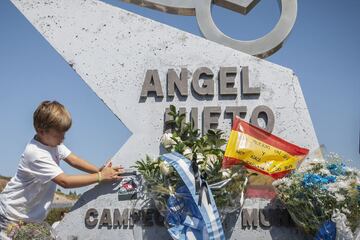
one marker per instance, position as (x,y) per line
(121,219)
(181,82)
(105,219)
(250,220)
(91,213)
(246,89)
(147,216)
(207,87)
(236,111)
(134,217)
(267,114)
(151,84)
(167,117)
(209,119)
(194,117)
(263,220)
(227,77)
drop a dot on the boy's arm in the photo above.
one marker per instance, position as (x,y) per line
(81,164)
(73,181)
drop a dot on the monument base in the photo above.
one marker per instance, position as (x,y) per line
(99,214)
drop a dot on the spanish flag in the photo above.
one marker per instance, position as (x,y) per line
(261,151)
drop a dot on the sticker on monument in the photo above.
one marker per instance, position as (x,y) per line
(129,186)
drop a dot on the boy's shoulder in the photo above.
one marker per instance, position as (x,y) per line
(34,151)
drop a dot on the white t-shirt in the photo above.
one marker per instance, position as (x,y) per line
(29,194)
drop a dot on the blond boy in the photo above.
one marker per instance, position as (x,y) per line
(28,195)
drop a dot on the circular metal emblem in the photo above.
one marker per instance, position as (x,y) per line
(261,47)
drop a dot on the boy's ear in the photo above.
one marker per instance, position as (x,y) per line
(40,131)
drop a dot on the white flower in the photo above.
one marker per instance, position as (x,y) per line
(345,210)
(199,157)
(333,187)
(226,173)
(211,158)
(165,168)
(318,161)
(167,141)
(334,157)
(235,174)
(171,190)
(282,181)
(339,197)
(188,153)
(325,172)
(308,164)
(344,182)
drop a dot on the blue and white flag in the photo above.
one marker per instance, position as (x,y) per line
(204,221)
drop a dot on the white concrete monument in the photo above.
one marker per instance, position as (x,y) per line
(138,67)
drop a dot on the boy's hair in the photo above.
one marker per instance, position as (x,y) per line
(52,114)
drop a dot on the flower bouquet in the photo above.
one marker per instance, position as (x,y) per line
(322,192)
(227,185)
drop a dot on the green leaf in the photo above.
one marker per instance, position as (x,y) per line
(173,109)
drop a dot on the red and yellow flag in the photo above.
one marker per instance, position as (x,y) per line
(261,151)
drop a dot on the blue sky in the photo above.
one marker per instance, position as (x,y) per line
(323,51)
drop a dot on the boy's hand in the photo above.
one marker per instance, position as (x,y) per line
(109,173)
(107,164)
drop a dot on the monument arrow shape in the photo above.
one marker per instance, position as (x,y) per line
(112,50)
